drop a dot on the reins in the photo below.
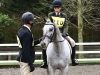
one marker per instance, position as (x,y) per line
(59,41)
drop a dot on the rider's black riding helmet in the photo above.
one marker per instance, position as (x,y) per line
(57,3)
(26,17)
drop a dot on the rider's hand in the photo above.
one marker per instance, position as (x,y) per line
(64,35)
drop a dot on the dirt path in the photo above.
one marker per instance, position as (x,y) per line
(73,70)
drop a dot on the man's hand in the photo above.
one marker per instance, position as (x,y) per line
(32,68)
(40,39)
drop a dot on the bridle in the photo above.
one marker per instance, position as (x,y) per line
(51,36)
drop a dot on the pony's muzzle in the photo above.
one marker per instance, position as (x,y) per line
(43,45)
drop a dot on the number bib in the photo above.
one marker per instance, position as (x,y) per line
(58,21)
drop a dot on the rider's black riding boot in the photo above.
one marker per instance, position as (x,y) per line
(44,65)
(74,62)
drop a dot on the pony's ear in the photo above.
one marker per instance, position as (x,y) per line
(51,19)
(44,19)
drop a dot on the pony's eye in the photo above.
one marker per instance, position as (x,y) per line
(50,29)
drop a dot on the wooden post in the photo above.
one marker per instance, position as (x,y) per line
(80,26)
(9,57)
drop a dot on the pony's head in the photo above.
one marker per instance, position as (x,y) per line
(48,33)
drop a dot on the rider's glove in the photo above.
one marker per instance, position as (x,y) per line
(64,35)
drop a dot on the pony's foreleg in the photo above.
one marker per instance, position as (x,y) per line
(50,70)
(65,70)
(47,72)
(60,72)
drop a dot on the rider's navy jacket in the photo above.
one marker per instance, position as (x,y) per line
(27,52)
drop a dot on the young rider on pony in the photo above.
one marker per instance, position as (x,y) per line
(61,20)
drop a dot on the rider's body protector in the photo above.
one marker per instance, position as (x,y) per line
(60,20)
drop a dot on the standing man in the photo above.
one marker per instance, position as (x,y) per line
(26,43)
(60,20)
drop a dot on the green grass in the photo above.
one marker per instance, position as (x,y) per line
(39,63)
(16,63)
(89,62)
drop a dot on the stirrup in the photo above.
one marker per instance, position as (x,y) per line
(75,62)
(44,65)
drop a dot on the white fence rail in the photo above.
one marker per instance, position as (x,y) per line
(39,53)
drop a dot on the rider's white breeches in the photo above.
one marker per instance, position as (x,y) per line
(72,42)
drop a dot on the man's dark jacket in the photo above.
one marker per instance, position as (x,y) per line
(27,52)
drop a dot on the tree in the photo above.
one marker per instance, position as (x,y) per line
(5,21)
(80,25)
(41,8)
(83,14)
